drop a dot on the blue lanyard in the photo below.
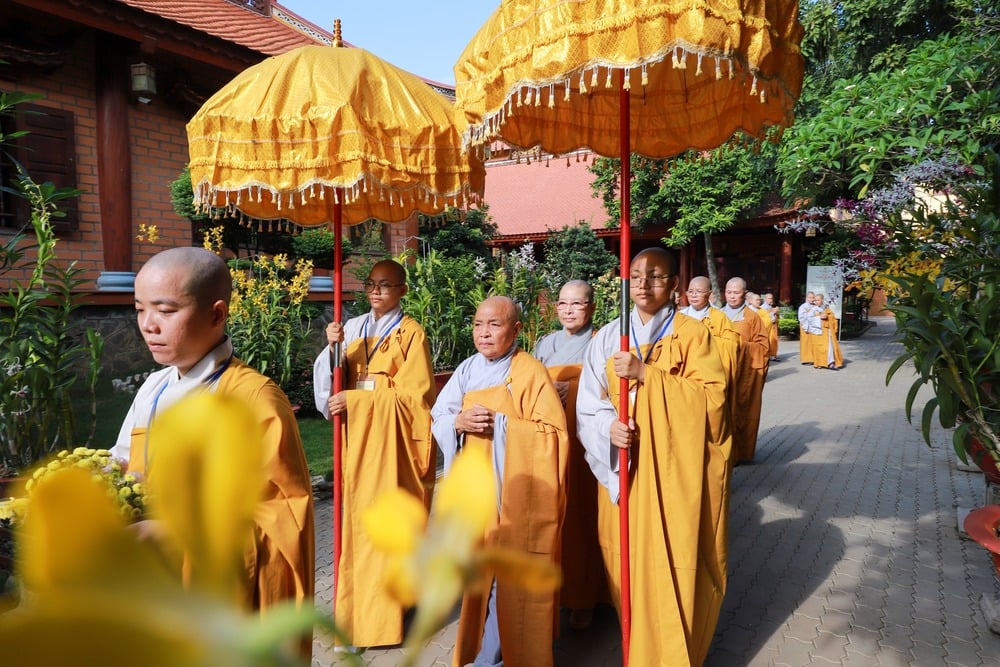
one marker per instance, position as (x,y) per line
(364,335)
(652,344)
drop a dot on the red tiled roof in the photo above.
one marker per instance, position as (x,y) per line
(532,198)
(238,25)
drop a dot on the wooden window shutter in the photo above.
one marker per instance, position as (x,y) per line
(48,153)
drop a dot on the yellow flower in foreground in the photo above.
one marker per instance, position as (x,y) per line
(432,573)
(206,477)
(99,595)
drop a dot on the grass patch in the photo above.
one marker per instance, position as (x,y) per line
(317,440)
(112,406)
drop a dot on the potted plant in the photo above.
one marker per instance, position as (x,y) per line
(947,309)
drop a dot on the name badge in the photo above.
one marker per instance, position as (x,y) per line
(365,384)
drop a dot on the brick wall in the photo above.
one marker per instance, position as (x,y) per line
(159,152)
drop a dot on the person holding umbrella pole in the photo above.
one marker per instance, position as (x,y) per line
(678,460)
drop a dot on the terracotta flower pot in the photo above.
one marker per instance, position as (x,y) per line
(981,525)
(982,458)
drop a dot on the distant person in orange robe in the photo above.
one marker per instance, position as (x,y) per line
(725,339)
(679,473)
(562,353)
(826,347)
(752,370)
(182,306)
(502,401)
(755,302)
(773,311)
(388,389)
(805,342)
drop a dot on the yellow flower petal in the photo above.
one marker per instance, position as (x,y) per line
(401,581)
(531,572)
(205,480)
(395,522)
(468,493)
(74,536)
(441,583)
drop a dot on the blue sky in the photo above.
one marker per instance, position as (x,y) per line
(425,38)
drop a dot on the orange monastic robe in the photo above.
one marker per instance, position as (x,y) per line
(580,555)
(727,342)
(771,329)
(387,444)
(280,564)
(531,507)
(678,495)
(773,333)
(750,377)
(805,339)
(826,347)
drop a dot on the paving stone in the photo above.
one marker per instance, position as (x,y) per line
(959,652)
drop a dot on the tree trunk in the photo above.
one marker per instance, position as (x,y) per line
(713,276)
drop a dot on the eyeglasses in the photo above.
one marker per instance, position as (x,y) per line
(571,305)
(652,281)
(698,291)
(381,286)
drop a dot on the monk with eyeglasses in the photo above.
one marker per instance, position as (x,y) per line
(562,353)
(678,482)
(385,415)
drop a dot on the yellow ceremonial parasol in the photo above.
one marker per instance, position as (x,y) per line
(326,135)
(620,76)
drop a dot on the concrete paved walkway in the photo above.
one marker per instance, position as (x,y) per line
(844,544)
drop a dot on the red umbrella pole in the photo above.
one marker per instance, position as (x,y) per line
(338,382)
(623,454)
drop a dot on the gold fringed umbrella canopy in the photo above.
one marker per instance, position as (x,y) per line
(299,133)
(699,72)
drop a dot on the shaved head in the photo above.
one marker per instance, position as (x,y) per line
(588,291)
(699,282)
(204,275)
(393,268)
(503,305)
(663,257)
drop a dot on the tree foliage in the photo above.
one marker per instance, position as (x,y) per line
(945,97)
(699,192)
(575,253)
(711,192)
(456,233)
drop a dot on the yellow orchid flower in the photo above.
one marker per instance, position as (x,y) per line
(205,480)
(99,595)
(431,573)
